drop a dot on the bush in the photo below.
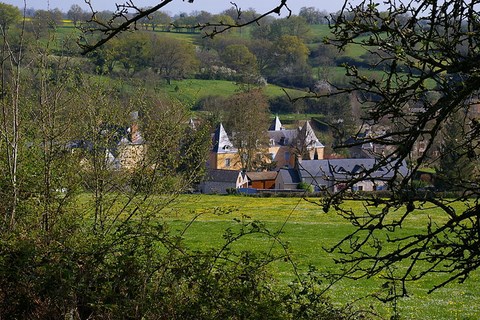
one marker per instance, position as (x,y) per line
(305,186)
(142,271)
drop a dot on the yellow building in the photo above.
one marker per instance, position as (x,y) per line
(223,154)
(284,148)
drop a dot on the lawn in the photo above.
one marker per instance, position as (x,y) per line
(308,230)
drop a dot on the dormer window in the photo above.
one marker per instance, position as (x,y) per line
(226,147)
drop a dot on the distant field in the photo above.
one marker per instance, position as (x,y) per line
(190,90)
(308,230)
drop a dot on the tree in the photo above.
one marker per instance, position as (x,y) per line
(172,58)
(46,19)
(239,58)
(290,65)
(247,114)
(11,101)
(159,19)
(433,48)
(262,49)
(8,15)
(76,14)
(313,15)
(291,26)
(133,51)
(458,162)
(108,29)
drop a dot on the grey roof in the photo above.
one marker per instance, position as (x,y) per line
(343,169)
(283,137)
(289,176)
(289,137)
(219,175)
(221,142)
(308,136)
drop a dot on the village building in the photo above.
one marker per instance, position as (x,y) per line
(285,146)
(262,180)
(335,174)
(287,179)
(217,181)
(223,155)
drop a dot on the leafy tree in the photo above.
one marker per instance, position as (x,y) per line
(458,162)
(134,51)
(239,58)
(43,20)
(432,48)
(290,63)
(241,16)
(76,14)
(159,19)
(292,26)
(246,119)
(172,58)
(262,49)
(202,17)
(104,59)
(313,15)
(8,15)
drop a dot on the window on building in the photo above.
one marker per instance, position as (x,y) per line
(287,156)
(227,162)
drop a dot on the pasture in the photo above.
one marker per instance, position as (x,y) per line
(307,230)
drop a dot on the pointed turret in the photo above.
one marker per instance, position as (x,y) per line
(310,145)
(276,125)
(221,142)
(308,137)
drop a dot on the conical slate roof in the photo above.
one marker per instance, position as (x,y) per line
(308,137)
(276,125)
(221,142)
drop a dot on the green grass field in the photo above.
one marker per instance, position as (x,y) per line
(190,90)
(308,230)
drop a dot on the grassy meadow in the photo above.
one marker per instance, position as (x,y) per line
(307,230)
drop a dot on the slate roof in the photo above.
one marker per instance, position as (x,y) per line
(308,136)
(343,169)
(276,125)
(284,137)
(289,176)
(221,142)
